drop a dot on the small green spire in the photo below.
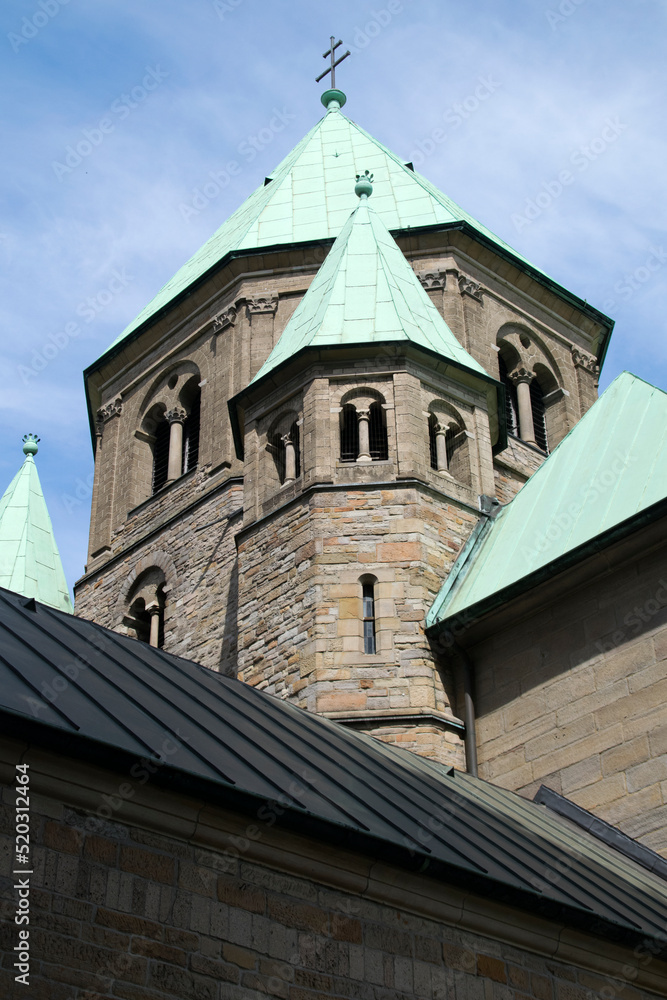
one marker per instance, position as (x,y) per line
(364,186)
(30,442)
(29,559)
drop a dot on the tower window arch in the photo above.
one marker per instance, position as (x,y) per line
(145,609)
(363,427)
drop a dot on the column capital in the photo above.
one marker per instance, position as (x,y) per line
(469,287)
(267,303)
(176,415)
(432,280)
(583,360)
(106,413)
(520,375)
(224,319)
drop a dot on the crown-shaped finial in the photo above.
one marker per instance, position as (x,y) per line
(30,444)
(364,186)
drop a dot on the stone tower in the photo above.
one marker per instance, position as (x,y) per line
(293,437)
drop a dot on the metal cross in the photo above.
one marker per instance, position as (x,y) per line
(334,62)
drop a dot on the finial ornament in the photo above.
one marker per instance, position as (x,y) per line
(364,186)
(30,444)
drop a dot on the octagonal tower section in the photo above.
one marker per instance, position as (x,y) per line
(367,437)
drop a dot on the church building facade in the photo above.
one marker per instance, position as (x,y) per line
(299,435)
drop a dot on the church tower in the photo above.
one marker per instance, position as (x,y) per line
(292,439)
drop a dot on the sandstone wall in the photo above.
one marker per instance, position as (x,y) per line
(575,697)
(123,911)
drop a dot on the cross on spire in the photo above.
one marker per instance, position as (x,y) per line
(334,62)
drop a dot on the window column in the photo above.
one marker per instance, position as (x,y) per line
(364,417)
(176,419)
(522,378)
(154,611)
(441,447)
(290,458)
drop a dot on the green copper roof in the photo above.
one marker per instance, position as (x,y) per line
(29,558)
(309,197)
(608,470)
(366,292)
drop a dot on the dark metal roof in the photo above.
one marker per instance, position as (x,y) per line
(83,690)
(605,832)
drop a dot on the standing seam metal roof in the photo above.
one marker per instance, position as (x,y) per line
(610,468)
(119,699)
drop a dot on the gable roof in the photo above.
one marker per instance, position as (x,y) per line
(308,197)
(29,559)
(232,744)
(605,475)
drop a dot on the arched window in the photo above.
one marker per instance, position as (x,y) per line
(349,434)
(284,444)
(160,454)
(377,433)
(368,616)
(511,400)
(145,608)
(363,431)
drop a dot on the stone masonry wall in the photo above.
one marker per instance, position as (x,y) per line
(195,549)
(300,631)
(575,697)
(122,913)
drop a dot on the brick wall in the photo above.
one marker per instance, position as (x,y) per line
(123,913)
(575,697)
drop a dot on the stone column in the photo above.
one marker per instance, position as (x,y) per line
(363,416)
(176,418)
(522,379)
(154,612)
(290,459)
(441,447)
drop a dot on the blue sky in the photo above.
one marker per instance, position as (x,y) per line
(543,120)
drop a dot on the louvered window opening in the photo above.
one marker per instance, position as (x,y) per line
(160,456)
(539,416)
(377,434)
(278,451)
(511,400)
(451,442)
(349,434)
(296,440)
(191,436)
(432,449)
(368,601)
